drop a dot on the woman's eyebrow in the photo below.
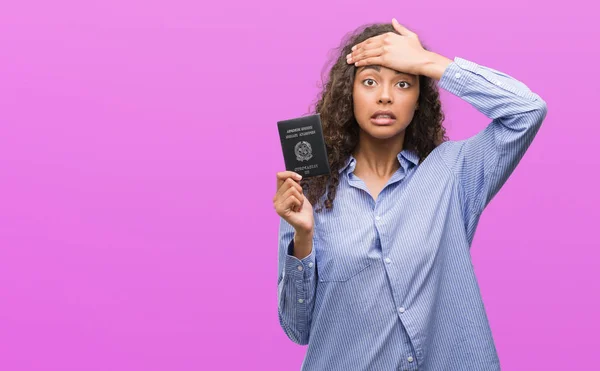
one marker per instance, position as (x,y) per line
(378,69)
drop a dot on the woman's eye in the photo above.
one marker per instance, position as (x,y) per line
(371,82)
(368,80)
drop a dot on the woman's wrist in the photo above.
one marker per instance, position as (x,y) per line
(303,243)
(434,65)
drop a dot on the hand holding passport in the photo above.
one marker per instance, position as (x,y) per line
(303,145)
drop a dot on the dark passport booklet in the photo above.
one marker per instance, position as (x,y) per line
(303,145)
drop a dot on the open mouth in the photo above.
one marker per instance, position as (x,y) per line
(383,118)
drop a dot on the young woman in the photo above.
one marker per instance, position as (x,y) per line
(384,280)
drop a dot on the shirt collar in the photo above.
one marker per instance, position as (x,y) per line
(407,154)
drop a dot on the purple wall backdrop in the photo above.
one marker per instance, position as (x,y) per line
(138,152)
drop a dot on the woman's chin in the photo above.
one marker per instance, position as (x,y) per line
(384,132)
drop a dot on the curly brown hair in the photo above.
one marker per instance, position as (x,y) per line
(340,129)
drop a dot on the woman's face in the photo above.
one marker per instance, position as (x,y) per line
(379,88)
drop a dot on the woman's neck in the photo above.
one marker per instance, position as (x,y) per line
(377,157)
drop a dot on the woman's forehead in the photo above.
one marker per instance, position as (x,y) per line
(379,69)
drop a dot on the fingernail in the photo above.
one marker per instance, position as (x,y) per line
(354,48)
(299,177)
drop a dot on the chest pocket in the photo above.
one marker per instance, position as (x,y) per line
(343,253)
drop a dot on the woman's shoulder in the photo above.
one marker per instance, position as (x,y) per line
(448,152)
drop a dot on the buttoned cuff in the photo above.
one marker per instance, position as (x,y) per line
(299,269)
(457,75)
(460,72)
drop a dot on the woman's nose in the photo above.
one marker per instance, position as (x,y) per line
(385,96)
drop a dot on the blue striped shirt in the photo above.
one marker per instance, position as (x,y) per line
(389,284)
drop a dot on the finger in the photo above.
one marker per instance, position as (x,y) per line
(354,55)
(283,203)
(377,42)
(291,203)
(296,184)
(289,183)
(370,61)
(293,189)
(300,197)
(364,54)
(373,41)
(283,175)
(400,28)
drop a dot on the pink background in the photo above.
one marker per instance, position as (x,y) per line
(138,152)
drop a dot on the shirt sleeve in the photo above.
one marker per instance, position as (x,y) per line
(296,287)
(484,162)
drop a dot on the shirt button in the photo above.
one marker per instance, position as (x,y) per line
(388,260)
(310,265)
(401,309)
(410,359)
(299,267)
(377,217)
(300,301)
(457,75)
